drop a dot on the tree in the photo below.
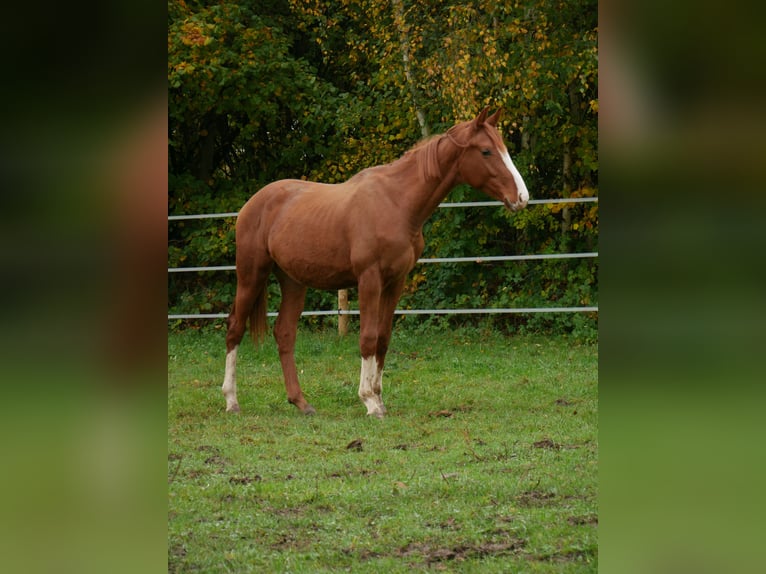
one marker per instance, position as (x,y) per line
(324,88)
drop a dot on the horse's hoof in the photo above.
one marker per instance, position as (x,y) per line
(380,415)
(309,411)
(232,409)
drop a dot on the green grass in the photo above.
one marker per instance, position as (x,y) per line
(486,462)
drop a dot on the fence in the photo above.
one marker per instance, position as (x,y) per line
(477,259)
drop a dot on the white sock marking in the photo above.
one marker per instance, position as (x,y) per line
(229,387)
(371,386)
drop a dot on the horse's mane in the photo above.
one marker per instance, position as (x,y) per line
(426,149)
(424,152)
(426,156)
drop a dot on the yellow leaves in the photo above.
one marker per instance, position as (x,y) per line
(192,35)
(555,207)
(583,192)
(183,68)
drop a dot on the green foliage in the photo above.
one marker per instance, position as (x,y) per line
(322,89)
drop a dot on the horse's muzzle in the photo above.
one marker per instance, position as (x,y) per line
(517,205)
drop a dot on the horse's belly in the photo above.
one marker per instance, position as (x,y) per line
(313,261)
(318,276)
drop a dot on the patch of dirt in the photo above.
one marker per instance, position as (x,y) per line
(534,498)
(176,558)
(547,443)
(432,554)
(355,445)
(290,542)
(589,519)
(215,457)
(364,555)
(443,413)
(245,479)
(436,556)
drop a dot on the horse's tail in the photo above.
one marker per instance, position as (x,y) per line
(258,322)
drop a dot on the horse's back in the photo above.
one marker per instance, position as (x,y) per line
(299,225)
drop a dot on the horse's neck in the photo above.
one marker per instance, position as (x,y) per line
(422,199)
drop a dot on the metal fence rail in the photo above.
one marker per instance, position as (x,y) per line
(477,259)
(442,205)
(486,311)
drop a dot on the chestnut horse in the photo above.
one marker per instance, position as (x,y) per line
(365,232)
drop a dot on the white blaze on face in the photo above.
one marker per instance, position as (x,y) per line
(520,185)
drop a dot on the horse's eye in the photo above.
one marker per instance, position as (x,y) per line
(486,152)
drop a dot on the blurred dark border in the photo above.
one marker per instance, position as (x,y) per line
(83,154)
(83,196)
(682,309)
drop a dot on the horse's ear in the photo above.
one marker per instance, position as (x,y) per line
(493,119)
(479,121)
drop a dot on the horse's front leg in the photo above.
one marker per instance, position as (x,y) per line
(375,335)
(370,378)
(388,301)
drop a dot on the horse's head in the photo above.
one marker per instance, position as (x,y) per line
(485,164)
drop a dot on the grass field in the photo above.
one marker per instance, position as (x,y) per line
(486,462)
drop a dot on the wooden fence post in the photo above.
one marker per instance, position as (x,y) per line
(343,306)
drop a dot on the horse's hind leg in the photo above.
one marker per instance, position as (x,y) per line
(285,331)
(229,387)
(251,286)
